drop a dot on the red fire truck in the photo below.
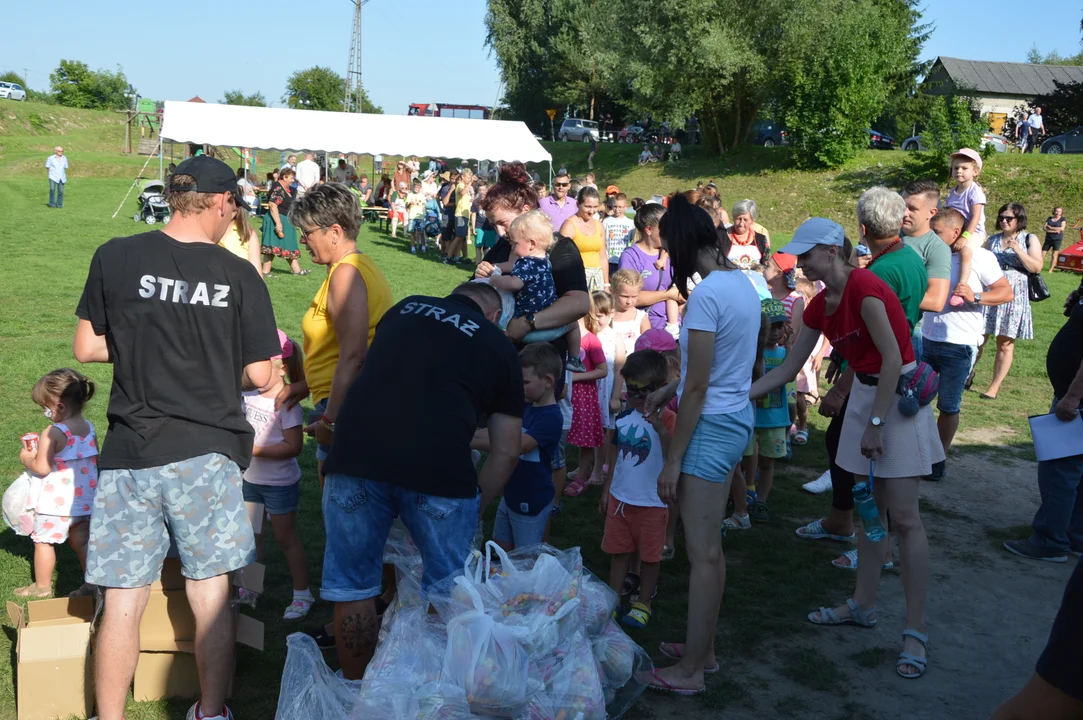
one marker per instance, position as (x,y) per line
(472,112)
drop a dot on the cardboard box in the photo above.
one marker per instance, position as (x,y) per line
(167,666)
(55,677)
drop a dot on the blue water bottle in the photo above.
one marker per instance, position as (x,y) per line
(866,508)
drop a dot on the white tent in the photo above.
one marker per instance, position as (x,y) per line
(339,132)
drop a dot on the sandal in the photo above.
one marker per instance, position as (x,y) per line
(297,610)
(595,479)
(302,272)
(905,658)
(668,552)
(815,531)
(631,585)
(857,616)
(675,651)
(638,617)
(575,488)
(850,556)
(800,437)
(660,684)
(33,592)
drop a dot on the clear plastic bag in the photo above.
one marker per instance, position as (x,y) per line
(615,654)
(574,688)
(18,504)
(597,601)
(441,701)
(412,652)
(535,579)
(486,659)
(620,699)
(311,690)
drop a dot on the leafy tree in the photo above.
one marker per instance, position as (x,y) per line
(74,84)
(236,97)
(1062,109)
(1035,57)
(13,77)
(321,88)
(952,123)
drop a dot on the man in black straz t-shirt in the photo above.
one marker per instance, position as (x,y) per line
(402,449)
(1058,524)
(183,323)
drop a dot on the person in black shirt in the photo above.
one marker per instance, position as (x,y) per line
(402,448)
(1058,524)
(1054,235)
(1055,690)
(184,323)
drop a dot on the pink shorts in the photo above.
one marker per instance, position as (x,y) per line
(631,527)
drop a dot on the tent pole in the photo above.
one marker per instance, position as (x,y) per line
(137,178)
(161,165)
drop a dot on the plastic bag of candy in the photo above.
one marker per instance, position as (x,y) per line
(621,698)
(486,659)
(311,690)
(597,601)
(575,687)
(442,701)
(535,580)
(615,653)
(413,650)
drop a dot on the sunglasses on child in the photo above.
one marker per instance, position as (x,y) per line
(1002,218)
(640,392)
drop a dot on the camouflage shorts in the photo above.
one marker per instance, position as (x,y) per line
(200,501)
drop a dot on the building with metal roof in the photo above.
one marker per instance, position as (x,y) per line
(998,86)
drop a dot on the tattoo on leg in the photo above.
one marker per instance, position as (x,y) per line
(359,633)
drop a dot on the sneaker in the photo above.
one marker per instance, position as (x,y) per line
(194,713)
(758,511)
(1075,553)
(576,365)
(298,609)
(736,522)
(555,512)
(413,250)
(1027,548)
(820,484)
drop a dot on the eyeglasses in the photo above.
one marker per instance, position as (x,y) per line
(306,233)
(1002,218)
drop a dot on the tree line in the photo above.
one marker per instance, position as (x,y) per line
(75,84)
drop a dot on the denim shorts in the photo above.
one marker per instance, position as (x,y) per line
(322,451)
(462,225)
(276,499)
(201,502)
(417,225)
(520,530)
(718,443)
(559,460)
(954,363)
(357,516)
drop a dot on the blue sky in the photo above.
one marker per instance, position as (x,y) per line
(445,36)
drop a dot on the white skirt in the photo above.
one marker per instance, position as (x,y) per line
(911,444)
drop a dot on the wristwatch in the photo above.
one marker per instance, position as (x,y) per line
(529,317)
(876,422)
(977,298)
(327,423)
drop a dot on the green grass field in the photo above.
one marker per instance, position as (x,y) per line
(774,580)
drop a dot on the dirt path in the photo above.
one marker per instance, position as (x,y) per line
(989,614)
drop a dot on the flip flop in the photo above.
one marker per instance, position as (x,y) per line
(851,556)
(675,651)
(660,684)
(815,531)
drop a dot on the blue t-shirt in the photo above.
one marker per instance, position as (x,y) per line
(530,488)
(773,411)
(538,291)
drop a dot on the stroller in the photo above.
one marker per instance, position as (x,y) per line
(152,205)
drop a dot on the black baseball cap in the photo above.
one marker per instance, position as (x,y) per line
(211,176)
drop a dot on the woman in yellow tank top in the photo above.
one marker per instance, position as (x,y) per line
(586,232)
(242,240)
(342,318)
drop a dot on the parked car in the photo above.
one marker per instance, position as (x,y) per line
(880,141)
(578,129)
(12,91)
(768,134)
(999,142)
(1069,142)
(630,134)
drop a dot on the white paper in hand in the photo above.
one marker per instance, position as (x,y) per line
(1055,439)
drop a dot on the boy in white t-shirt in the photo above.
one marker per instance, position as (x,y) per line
(635,517)
(618,231)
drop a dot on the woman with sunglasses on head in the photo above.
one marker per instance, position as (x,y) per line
(718,344)
(865,321)
(1018,253)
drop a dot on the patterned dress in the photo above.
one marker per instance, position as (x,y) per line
(586,430)
(1012,319)
(286,246)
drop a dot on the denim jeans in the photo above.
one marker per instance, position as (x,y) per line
(56,194)
(953,362)
(357,516)
(1058,524)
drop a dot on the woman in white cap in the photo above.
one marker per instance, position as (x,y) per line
(863,319)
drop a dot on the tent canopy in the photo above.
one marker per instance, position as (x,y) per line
(339,132)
